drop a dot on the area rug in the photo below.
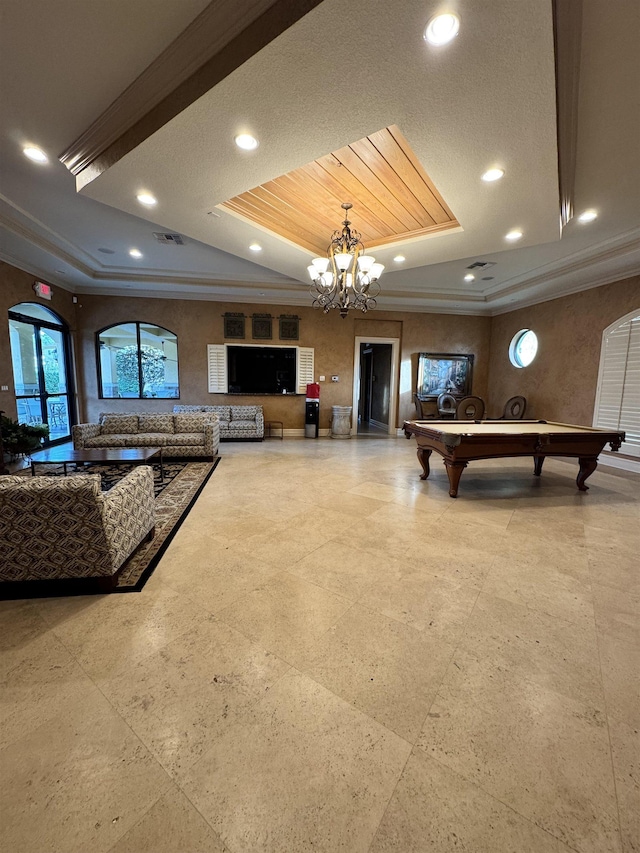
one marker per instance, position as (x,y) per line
(174,499)
(175,496)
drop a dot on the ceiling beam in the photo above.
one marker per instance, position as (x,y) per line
(567,33)
(221,38)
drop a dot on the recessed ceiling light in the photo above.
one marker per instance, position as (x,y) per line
(147,198)
(492,175)
(255,247)
(399,259)
(246,142)
(588,216)
(469,277)
(135,253)
(442,29)
(35,154)
(513,235)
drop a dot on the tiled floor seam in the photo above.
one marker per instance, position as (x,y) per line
(413,746)
(498,800)
(606,713)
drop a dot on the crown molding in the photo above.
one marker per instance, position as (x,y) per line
(53,244)
(579,262)
(607,278)
(34,270)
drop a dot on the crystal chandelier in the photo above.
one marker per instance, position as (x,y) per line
(347,278)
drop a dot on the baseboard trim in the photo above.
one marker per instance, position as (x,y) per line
(620,462)
(299,433)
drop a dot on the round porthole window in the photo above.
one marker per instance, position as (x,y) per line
(523,348)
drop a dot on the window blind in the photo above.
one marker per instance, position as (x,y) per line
(618,394)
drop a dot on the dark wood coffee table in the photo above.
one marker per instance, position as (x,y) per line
(100,455)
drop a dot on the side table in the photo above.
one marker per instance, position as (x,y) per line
(269,427)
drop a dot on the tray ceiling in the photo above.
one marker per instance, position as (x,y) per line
(393,197)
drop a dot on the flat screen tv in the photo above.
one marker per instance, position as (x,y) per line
(261,370)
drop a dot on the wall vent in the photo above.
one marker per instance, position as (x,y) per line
(169,239)
(481,265)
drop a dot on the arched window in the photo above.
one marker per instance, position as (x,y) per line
(618,394)
(41,359)
(137,360)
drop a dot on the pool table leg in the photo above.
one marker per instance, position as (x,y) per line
(537,465)
(423,458)
(588,465)
(454,471)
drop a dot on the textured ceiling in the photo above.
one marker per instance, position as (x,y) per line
(487,99)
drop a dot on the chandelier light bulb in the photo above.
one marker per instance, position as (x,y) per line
(343,261)
(376,271)
(365,262)
(321,264)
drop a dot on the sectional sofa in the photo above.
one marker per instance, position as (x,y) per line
(179,434)
(235,421)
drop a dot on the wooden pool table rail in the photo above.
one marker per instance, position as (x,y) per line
(460,444)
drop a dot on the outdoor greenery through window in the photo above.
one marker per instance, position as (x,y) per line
(138,360)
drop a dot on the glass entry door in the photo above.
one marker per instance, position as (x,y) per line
(40,360)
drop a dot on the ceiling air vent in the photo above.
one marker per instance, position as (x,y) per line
(481,265)
(169,239)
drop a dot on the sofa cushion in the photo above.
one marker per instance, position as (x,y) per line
(223,412)
(117,440)
(187,409)
(118,424)
(153,439)
(191,422)
(155,423)
(244,413)
(243,425)
(190,439)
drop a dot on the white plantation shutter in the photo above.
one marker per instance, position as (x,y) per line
(304,367)
(630,408)
(618,395)
(217,368)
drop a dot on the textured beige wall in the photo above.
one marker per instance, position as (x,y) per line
(560,385)
(17,286)
(333,338)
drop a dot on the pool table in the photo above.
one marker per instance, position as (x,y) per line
(460,442)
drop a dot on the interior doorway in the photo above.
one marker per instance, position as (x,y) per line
(375,382)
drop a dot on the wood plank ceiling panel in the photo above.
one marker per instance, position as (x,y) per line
(393,197)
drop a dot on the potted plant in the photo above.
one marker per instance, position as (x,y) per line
(21,439)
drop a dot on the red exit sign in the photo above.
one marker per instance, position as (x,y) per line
(43,290)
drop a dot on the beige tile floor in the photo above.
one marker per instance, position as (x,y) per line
(335,656)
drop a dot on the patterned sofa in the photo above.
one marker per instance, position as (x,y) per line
(52,528)
(181,434)
(235,421)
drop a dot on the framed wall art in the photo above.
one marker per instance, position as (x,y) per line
(261,327)
(289,327)
(233,325)
(444,372)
